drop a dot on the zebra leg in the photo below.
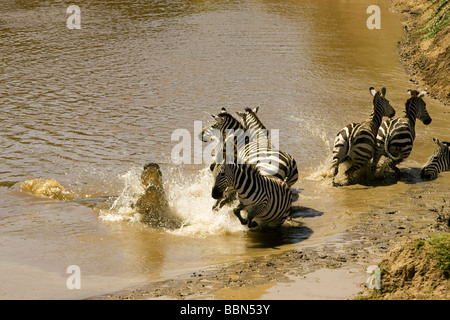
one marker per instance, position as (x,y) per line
(228,196)
(376,157)
(217,205)
(221,202)
(361,156)
(355,167)
(340,148)
(335,168)
(335,172)
(393,165)
(237,213)
(340,151)
(255,212)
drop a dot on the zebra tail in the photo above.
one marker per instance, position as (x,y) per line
(292,176)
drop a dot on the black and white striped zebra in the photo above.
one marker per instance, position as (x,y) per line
(252,123)
(395,137)
(356,142)
(438,162)
(266,199)
(248,145)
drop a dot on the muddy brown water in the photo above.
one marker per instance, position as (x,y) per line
(90,107)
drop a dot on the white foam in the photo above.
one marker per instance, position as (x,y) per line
(191,199)
(122,208)
(189,196)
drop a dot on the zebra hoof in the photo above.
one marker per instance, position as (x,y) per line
(252,224)
(337,184)
(216,207)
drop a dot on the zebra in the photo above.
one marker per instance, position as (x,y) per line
(268,161)
(438,162)
(247,146)
(356,142)
(266,199)
(395,137)
(251,122)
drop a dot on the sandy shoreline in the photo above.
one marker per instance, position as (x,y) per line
(339,264)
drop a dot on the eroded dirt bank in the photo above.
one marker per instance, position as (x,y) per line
(416,269)
(425,49)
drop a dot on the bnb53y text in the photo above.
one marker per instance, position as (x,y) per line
(227,309)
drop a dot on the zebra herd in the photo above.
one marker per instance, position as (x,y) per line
(360,143)
(249,168)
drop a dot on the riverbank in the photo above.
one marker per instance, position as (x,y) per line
(339,264)
(425,49)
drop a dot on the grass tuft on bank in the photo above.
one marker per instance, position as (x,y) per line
(438,19)
(439,248)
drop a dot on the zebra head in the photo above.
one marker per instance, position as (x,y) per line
(439,161)
(381,103)
(223,178)
(417,107)
(249,119)
(218,127)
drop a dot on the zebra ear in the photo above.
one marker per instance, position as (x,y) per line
(255,110)
(223,110)
(439,143)
(383,91)
(372,91)
(409,91)
(422,94)
(240,114)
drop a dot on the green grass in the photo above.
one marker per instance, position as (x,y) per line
(439,248)
(439,19)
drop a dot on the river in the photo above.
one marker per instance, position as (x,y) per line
(90,107)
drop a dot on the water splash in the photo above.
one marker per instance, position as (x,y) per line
(189,197)
(122,208)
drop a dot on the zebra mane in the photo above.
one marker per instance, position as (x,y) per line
(245,166)
(376,96)
(227,115)
(409,105)
(250,168)
(255,117)
(414,95)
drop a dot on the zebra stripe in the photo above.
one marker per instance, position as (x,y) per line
(395,138)
(266,199)
(438,162)
(283,160)
(356,142)
(341,146)
(248,145)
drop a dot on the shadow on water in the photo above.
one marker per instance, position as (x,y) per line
(388,178)
(304,212)
(291,232)
(383,177)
